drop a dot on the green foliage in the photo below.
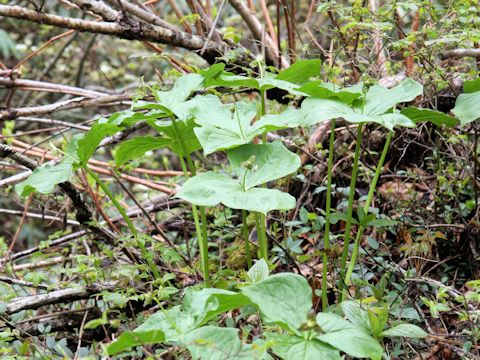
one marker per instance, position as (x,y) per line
(270,162)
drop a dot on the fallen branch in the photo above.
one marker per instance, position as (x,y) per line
(54,297)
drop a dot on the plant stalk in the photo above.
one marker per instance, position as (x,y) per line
(262,236)
(201,229)
(127,219)
(328,202)
(245,236)
(351,199)
(371,191)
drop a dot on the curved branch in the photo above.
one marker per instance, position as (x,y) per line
(130,30)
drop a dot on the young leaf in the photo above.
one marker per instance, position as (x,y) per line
(44,178)
(274,298)
(347,337)
(466,107)
(291,347)
(405,330)
(426,115)
(258,272)
(147,333)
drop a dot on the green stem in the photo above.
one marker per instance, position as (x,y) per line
(371,191)
(127,219)
(351,198)
(245,236)
(262,236)
(262,220)
(203,246)
(200,229)
(326,236)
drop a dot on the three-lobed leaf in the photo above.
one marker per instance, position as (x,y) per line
(270,162)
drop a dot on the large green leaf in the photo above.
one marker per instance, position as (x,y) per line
(211,189)
(318,110)
(289,118)
(270,162)
(136,147)
(379,99)
(301,71)
(427,115)
(267,162)
(93,138)
(282,299)
(291,347)
(147,333)
(44,178)
(323,90)
(347,337)
(356,314)
(405,330)
(224,126)
(470,86)
(182,88)
(216,343)
(467,107)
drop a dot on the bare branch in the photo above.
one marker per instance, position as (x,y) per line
(35,85)
(54,297)
(14,113)
(459,53)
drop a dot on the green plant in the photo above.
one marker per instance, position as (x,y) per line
(292,329)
